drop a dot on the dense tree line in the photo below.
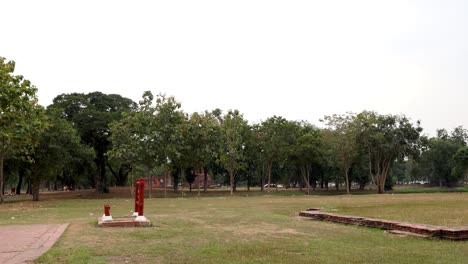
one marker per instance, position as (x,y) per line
(97,140)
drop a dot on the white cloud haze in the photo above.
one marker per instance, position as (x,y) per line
(297,59)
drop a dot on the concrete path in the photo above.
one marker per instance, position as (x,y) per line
(19,244)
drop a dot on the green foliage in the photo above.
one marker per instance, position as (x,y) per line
(58,149)
(91,115)
(438,163)
(18,114)
(387,138)
(341,135)
(278,137)
(231,153)
(460,170)
(307,151)
(152,136)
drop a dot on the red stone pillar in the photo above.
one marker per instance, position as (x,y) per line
(141,196)
(136,196)
(106,210)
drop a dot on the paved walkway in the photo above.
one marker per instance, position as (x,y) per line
(19,244)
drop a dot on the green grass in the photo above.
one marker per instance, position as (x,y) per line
(429,190)
(254,229)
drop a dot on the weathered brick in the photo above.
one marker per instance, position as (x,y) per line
(453,233)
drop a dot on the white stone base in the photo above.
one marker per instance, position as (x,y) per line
(105,218)
(135,214)
(141,218)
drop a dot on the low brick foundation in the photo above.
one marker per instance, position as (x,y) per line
(452,233)
(123,222)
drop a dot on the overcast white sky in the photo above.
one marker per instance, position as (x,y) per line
(298,59)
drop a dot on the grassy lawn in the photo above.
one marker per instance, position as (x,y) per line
(253,229)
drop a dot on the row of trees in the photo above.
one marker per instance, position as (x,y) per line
(95,140)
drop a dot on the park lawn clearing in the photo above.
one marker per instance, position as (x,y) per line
(259,229)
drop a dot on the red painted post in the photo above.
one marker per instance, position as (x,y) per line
(107,210)
(136,195)
(141,197)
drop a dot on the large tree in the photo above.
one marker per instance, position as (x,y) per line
(151,136)
(91,114)
(131,136)
(231,153)
(386,138)
(341,135)
(18,114)
(437,160)
(169,121)
(461,163)
(58,146)
(307,151)
(277,136)
(202,137)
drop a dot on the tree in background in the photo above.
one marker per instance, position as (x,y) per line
(254,163)
(306,151)
(58,147)
(169,122)
(461,163)
(231,153)
(277,137)
(151,136)
(341,136)
(202,137)
(386,138)
(437,160)
(131,137)
(91,115)
(19,120)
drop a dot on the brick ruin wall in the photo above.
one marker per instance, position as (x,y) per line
(452,233)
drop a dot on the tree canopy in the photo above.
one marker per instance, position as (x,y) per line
(19,118)
(81,138)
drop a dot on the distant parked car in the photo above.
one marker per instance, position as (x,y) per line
(274,185)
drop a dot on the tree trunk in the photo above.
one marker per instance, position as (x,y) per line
(248,181)
(165,184)
(113,173)
(101,173)
(205,179)
(1,179)
(262,182)
(29,189)
(198,194)
(270,164)
(231,177)
(302,181)
(20,181)
(304,177)
(150,182)
(314,184)
(175,182)
(347,179)
(362,185)
(35,184)
(380,184)
(97,181)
